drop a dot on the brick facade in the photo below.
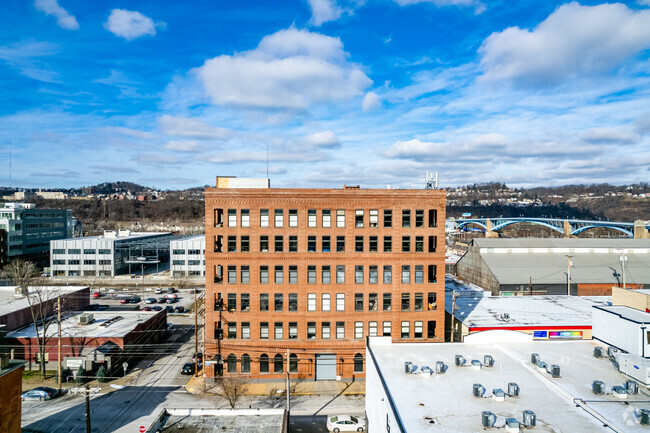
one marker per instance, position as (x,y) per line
(255,314)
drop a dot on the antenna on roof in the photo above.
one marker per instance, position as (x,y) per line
(431,181)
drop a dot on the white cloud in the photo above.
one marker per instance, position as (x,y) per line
(192,128)
(182,146)
(130,24)
(323,140)
(63,18)
(370,101)
(610,136)
(290,69)
(323,11)
(478,6)
(643,2)
(24,56)
(574,40)
(133,132)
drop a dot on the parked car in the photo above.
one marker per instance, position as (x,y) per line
(169,308)
(179,309)
(158,291)
(188,368)
(198,355)
(41,393)
(197,290)
(97,295)
(161,300)
(146,309)
(150,301)
(170,300)
(345,423)
(156,308)
(131,300)
(171,290)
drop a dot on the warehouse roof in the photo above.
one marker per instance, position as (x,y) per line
(212,420)
(9,303)
(557,402)
(613,243)
(628,313)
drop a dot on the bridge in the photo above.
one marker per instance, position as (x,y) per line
(568,227)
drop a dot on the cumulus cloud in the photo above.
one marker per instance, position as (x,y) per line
(610,136)
(63,18)
(473,148)
(574,40)
(370,101)
(130,24)
(192,128)
(182,146)
(478,6)
(323,11)
(323,140)
(290,69)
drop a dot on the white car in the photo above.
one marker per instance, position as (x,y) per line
(345,423)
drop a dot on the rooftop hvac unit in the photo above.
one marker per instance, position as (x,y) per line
(530,419)
(426,371)
(534,358)
(644,416)
(632,387)
(460,361)
(542,366)
(488,361)
(407,366)
(498,395)
(555,370)
(488,418)
(599,352)
(619,391)
(513,389)
(512,425)
(476,364)
(440,367)
(611,351)
(598,387)
(85,319)
(478,390)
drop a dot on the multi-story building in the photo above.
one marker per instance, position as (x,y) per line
(30,230)
(188,257)
(312,272)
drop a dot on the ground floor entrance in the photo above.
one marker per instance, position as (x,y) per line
(325,366)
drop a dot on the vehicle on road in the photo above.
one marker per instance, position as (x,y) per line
(150,301)
(158,291)
(179,309)
(156,308)
(171,290)
(146,309)
(188,368)
(341,423)
(97,295)
(169,308)
(131,300)
(161,300)
(198,355)
(41,393)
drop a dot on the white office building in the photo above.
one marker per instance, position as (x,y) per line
(188,257)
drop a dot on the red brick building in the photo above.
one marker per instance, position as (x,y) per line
(313,272)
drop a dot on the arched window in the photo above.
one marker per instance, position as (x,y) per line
(245,363)
(264,363)
(358,363)
(293,363)
(232,363)
(278,363)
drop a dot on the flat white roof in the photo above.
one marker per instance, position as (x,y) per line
(9,303)
(118,237)
(628,313)
(447,398)
(453,283)
(105,325)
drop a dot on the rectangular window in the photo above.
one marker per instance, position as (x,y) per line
(293,244)
(245,218)
(340,243)
(419,218)
(340,274)
(406,301)
(311,218)
(326,302)
(264,330)
(372,244)
(74,262)
(406,329)
(311,330)
(293,330)
(358,302)
(373,275)
(92,262)
(326,275)
(278,302)
(419,274)
(358,330)
(325,244)
(264,217)
(232,244)
(279,275)
(388,274)
(245,275)
(279,244)
(325,330)
(388,218)
(358,218)
(232,274)
(372,302)
(358,244)
(388,302)
(311,244)
(433,218)
(418,302)
(278,331)
(419,244)
(340,218)
(245,244)
(358,274)
(406,218)
(388,329)
(311,274)
(433,241)
(388,244)
(59,251)
(373,216)
(327,218)
(279,218)
(245,302)
(94,251)
(372,329)
(293,302)
(264,302)
(293,274)
(264,244)
(245,330)
(232,329)
(406,244)
(311,301)
(432,273)
(340,302)
(232,217)
(340,330)
(232,301)
(264,274)
(431,329)
(406,274)
(293,218)
(417,329)
(431,301)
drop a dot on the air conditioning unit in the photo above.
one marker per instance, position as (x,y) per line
(85,319)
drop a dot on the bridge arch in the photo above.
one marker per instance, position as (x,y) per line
(588,227)
(466,223)
(536,222)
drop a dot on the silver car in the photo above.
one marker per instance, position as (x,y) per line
(41,393)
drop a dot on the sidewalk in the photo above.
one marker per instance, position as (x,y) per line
(196,386)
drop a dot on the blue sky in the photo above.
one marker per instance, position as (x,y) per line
(373,92)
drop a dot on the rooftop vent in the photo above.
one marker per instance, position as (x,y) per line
(476,364)
(598,387)
(440,367)
(644,416)
(110,321)
(459,360)
(611,351)
(530,419)
(488,418)
(478,390)
(599,352)
(513,389)
(488,361)
(408,367)
(426,371)
(555,370)
(534,358)
(498,395)
(619,391)
(512,425)
(632,387)
(85,319)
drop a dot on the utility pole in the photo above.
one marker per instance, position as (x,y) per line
(454,308)
(58,309)
(288,387)
(623,259)
(568,275)
(87,409)
(196,339)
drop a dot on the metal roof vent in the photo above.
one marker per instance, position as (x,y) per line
(478,390)
(541,366)
(408,367)
(611,351)
(426,371)
(498,395)
(476,364)
(86,319)
(513,389)
(488,361)
(488,418)
(644,416)
(632,387)
(530,419)
(599,352)
(440,367)
(534,358)
(555,370)
(598,387)
(460,361)
(619,391)
(512,425)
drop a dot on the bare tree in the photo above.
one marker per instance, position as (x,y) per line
(181,282)
(22,274)
(232,388)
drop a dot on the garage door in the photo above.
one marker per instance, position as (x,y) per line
(325,366)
